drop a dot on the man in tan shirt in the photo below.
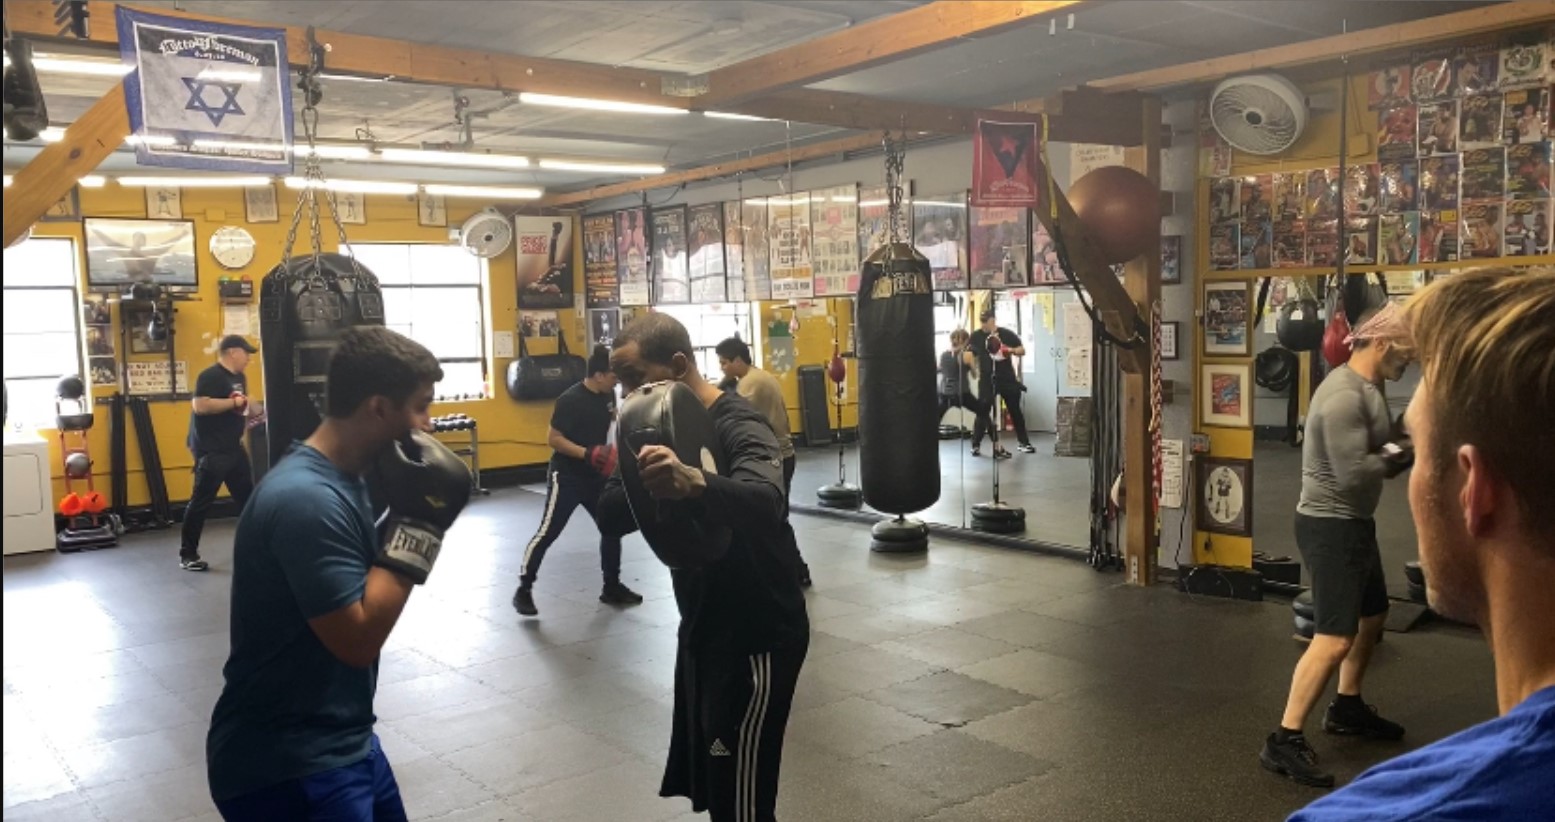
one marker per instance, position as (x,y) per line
(763,391)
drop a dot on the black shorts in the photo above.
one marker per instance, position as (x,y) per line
(727,744)
(1345,564)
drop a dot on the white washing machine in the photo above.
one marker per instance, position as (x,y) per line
(29,501)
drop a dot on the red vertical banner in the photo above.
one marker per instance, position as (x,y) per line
(1005,165)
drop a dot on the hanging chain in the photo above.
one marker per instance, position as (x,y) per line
(895,163)
(313,177)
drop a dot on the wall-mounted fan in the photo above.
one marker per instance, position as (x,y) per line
(1258,113)
(486,234)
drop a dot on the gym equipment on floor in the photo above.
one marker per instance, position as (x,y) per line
(470,449)
(997,516)
(87,525)
(843,494)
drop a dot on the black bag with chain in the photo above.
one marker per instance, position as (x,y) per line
(544,376)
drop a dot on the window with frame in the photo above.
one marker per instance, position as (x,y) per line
(42,327)
(710,324)
(436,295)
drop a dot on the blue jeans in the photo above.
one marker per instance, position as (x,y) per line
(363,791)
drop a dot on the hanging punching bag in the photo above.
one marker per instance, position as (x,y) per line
(898,409)
(303,310)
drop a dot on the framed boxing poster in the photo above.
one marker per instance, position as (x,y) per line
(1225,496)
(1226,319)
(1227,392)
(545,277)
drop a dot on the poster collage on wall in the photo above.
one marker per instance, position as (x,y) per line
(1462,173)
(798,246)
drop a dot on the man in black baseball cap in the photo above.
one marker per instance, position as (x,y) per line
(216,429)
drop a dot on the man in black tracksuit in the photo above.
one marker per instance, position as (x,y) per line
(743,630)
(583,457)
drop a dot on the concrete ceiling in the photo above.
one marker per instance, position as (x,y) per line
(687,37)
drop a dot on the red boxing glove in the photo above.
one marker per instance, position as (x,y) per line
(240,402)
(995,346)
(601,458)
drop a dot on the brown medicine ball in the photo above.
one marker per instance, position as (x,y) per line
(1121,210)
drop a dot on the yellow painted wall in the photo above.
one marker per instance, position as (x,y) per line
(512,433)
(813,346)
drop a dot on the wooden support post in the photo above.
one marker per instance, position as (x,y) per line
(51,174)
(1142,280)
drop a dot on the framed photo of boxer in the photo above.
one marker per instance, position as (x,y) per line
(1226,319)
(1225,496)
(1227,392)
(1171,259)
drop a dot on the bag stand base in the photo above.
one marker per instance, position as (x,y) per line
(998,518)
(899,536)
(842,495)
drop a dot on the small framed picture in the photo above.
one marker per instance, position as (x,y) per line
(1170,332)
(1226,318)
(1227,394)
(1225,496)
(259,205)
(350,207)
(67,210)
(1171,260)
(431,210)
(164,203)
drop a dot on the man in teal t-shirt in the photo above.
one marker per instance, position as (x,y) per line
(314,598)
(1480,492)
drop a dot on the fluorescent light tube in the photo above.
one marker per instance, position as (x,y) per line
(92,181)
(66,65)
(607,168)
(453,158)
(529,98)
(334,152)
(155,140)
(52,134)
(486,192)
(729,115)
(354,186)
(193,182)
(8,179)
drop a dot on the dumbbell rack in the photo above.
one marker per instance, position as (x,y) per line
(471,449)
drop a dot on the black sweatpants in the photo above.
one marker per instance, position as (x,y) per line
(1011,393)
(726,748)
(980,424)
(211,471)
(565,493)
(795,560)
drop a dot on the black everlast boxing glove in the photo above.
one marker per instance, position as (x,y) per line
(1400,457)
(425,486)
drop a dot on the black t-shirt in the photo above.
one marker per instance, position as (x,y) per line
(1002,371)
(584,417)
(210,433)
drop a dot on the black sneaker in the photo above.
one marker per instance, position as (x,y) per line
(193,563)
(524,602)
(1294,759)
(1360,720)
(617,594)
(1028,448)
(977,451)
(1001,454)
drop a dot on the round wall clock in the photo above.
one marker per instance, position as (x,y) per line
(233,247)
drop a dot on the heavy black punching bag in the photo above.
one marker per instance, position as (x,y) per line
(897,407)
(304,307)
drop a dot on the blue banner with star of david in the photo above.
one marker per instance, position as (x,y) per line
(206,95)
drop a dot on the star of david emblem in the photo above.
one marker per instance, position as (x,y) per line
(217,113)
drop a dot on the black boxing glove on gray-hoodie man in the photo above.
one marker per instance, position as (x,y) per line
(425,486)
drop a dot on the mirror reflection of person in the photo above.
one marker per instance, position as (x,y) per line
(996,348)
(957,374)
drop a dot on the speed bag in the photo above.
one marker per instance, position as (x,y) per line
(898,410)
(1299,327)
(544,376)
(1335,350)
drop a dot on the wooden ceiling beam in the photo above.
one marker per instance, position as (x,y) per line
(872,43)
(50,175)
(1484,19)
